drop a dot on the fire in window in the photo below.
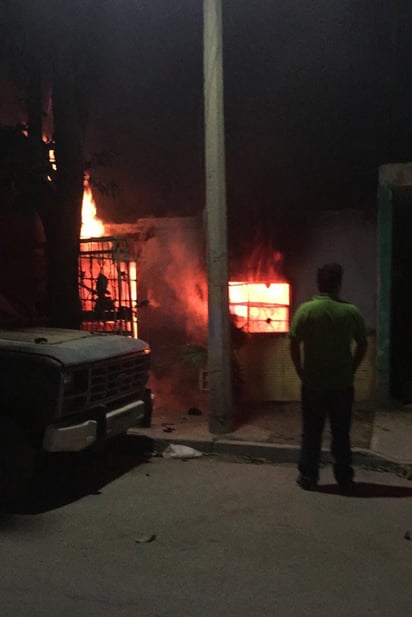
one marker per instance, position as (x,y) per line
(260,307)
(107,275)
(108,285)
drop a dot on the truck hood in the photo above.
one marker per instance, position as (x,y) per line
(70,347)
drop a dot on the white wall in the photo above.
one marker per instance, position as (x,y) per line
(348,238)
(172,275)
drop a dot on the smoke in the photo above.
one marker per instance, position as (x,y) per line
(186,277)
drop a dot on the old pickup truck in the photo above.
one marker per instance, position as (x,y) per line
(66,390)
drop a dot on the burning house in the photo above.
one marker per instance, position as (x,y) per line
(151,277)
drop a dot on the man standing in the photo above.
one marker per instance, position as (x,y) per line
(325,327)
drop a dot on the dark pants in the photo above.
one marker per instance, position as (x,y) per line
(316,407)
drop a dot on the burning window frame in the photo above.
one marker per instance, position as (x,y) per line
(260,307)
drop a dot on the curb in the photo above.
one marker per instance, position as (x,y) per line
(280,453)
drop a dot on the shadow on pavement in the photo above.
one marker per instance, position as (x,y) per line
(64,478)
(369,490)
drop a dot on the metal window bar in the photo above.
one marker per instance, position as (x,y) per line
(105,286)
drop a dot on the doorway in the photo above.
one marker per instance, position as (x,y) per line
(394,336)
(401,297)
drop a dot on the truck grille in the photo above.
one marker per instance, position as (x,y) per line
(107,383)
(117,378)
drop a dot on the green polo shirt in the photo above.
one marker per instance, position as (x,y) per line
(327,326)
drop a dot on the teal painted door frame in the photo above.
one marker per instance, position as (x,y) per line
(384,292)
(392,177)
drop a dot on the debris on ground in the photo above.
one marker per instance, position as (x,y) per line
(178,451)
(167,428)
(194,411)
(146,539)
(254,460)
(407,536)
(406,472)
(402,471)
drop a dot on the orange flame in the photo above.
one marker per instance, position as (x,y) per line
(259,297)
(92,227)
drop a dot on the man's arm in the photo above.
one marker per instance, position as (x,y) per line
(359,353)
(295,354)
(361,341)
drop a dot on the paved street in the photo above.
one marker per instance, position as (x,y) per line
(228,539)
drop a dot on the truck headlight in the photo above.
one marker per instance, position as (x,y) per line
(74,383)
(68,380)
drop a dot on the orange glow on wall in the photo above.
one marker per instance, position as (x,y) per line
(260,307)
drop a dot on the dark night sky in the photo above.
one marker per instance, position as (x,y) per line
(317,95)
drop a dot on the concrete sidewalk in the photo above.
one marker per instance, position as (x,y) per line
(392,435)
(272,432)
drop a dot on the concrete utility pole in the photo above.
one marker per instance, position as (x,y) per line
(219,355)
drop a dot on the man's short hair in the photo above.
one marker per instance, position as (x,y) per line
(329,278)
